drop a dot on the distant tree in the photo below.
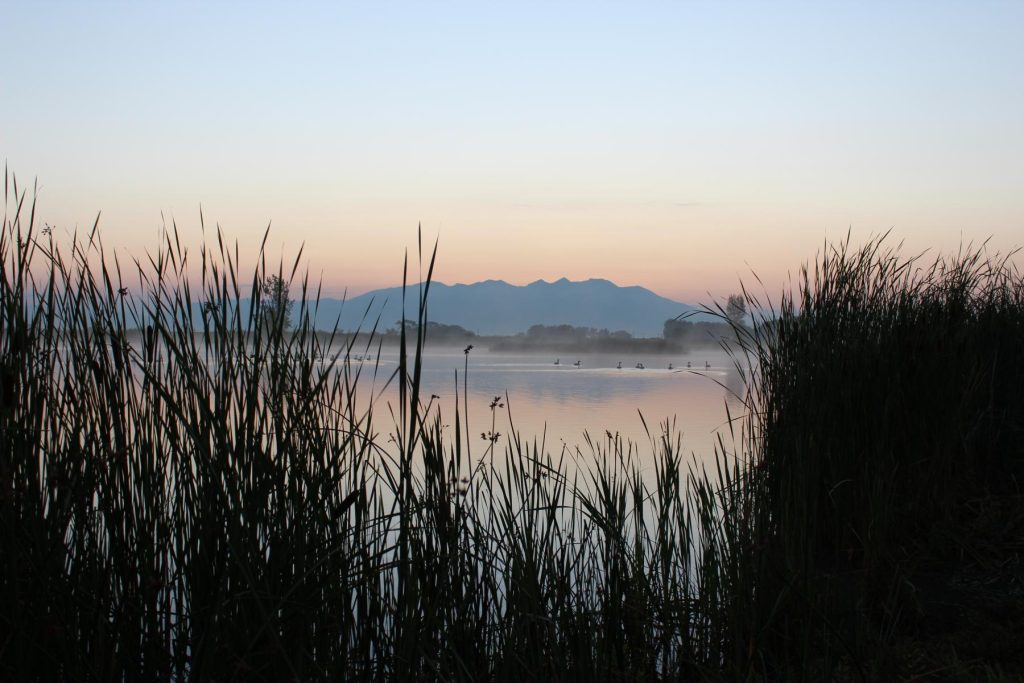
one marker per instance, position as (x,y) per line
(443,331)
(557,333)
(276,307)
(736,309)
(675,329)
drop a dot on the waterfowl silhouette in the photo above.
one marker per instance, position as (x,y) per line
(578,364)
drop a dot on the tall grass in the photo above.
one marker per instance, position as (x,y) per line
(888,408)
(187,492)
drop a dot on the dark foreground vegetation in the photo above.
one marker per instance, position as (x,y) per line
(211,502)
(887,463)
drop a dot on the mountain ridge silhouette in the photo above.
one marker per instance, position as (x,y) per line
(495,307)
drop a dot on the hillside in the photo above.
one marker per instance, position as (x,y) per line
(495,307)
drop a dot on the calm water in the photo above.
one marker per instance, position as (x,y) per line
(566,401)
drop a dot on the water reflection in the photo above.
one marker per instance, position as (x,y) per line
(559,399)
(601,394)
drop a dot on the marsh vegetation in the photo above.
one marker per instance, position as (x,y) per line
(214,503)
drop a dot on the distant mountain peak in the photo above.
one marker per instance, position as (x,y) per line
(495,307)
(564,281)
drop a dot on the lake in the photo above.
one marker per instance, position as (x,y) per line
(565,401)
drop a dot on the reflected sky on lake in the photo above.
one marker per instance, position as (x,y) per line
(595,397)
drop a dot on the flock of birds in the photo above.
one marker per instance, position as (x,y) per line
(638,366)
(358,358)
(558,361)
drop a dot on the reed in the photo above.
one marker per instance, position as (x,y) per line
(189,492)
(888,421)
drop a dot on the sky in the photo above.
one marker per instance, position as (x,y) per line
(681,146)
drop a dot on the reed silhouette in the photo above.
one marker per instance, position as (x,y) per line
(204,499)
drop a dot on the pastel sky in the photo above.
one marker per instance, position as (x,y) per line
(678,146)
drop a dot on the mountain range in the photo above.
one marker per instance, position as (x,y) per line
(495,307)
